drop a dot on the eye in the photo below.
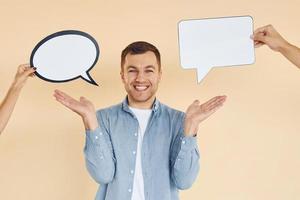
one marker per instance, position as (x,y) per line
(132,71)
(149,71)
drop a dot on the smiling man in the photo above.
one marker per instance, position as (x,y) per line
(141,149)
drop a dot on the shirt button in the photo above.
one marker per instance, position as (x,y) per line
(133,152)
(183,142)
(135,134)
(131,171)
(129,190)
(96,137)
(101,133)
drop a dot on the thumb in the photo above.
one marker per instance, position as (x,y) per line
(259,37)
(29,71)
(196,102)
(82,99)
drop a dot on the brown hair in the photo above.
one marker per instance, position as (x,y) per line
(140,47)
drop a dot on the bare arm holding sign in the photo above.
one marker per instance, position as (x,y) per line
(9,102)
(269,36)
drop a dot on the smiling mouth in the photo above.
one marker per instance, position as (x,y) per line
(140,88)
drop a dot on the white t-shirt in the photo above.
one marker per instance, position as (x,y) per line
(142,116)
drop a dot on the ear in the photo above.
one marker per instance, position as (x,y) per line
(159,75)
(122,75)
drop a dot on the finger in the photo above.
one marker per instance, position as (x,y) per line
(213,110)
(82,98)
(62,94)
(194,105)
(62,101)
(212,107)
(256,42)
(216,104)
(32,75)
(261,29)
(205,108)
(259,44)
(58,98)
(210,112)
(29,71)
(70,103)
(58,93)
(21,69)
(24,65)
(196,102)
(215,100)
(211,101)
(260,37)
(68,100)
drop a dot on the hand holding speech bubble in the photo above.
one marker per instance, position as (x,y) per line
(215,42)
(65,56)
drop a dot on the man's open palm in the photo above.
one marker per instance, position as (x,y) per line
(197,112)
(83,107)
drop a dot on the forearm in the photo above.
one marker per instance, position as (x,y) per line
(292,53)
(8,104)
(99,156)
(185,163)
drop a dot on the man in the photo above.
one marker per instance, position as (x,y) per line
(269,36)
(9,102)
(141,149)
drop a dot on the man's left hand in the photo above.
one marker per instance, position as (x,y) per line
(197,112)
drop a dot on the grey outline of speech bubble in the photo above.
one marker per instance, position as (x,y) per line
(212,67)
(61,33)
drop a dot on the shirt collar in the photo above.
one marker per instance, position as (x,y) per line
(156,107)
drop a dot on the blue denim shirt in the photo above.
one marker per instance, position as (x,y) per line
(170,161)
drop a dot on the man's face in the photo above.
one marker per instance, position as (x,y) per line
(141,76)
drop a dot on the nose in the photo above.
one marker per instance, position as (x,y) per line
(140,77)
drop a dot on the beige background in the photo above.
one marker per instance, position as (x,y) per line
(249,149)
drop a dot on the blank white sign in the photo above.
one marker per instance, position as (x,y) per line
(215,42)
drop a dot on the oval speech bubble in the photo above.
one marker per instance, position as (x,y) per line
(65,56)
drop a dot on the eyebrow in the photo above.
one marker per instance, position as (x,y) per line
(147,67)
(130,66)
(150,66)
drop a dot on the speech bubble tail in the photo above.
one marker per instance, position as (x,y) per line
(202,72)
(87,77)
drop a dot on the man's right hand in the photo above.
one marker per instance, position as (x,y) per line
(83,107)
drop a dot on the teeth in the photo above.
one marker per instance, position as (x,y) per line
(140,88)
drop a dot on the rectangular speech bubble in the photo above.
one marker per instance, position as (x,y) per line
(215,42)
